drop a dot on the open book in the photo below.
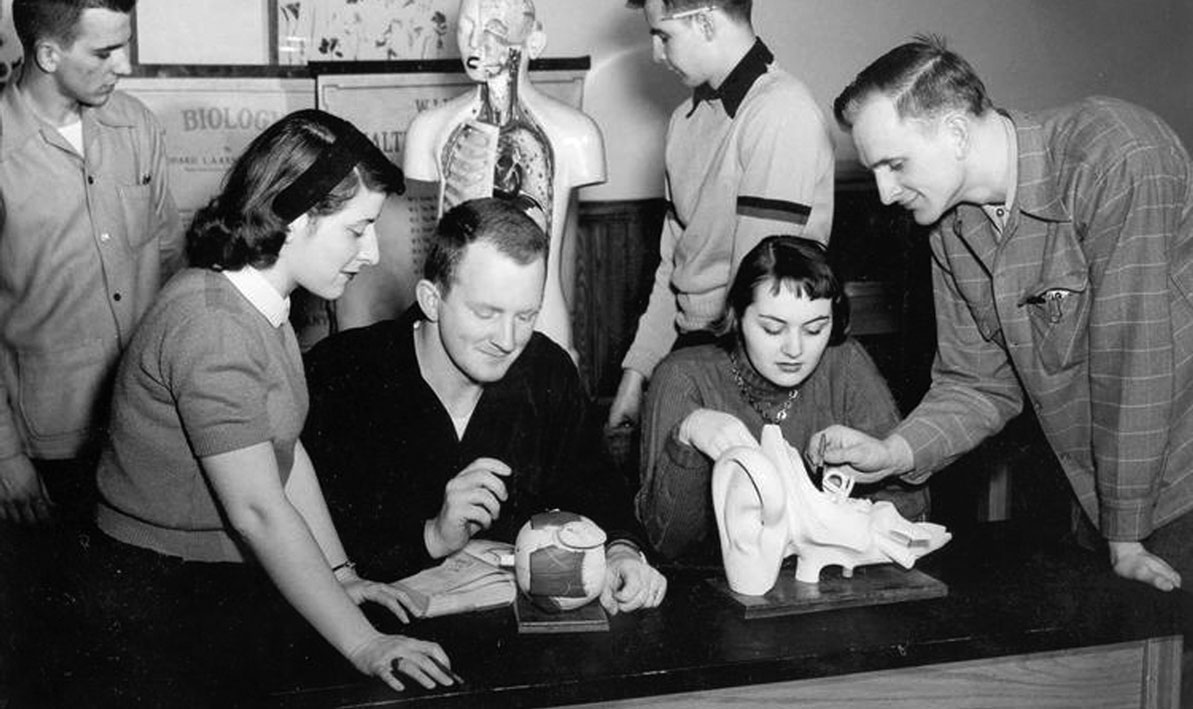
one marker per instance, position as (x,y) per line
(469,580)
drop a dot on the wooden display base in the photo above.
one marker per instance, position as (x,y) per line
(870,586)
(585,619)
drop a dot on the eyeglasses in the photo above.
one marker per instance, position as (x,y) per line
(689,13)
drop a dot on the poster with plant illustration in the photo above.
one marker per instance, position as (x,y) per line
(364,30)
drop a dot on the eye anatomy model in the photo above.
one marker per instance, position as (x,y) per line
(767,509)
(559,560)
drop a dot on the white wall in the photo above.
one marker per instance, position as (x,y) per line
(191,31)
(1032,53)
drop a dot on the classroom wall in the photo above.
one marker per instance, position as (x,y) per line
(1032,53)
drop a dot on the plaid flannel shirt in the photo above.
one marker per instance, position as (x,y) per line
(1084,304)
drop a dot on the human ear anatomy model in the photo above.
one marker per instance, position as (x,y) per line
(767,509)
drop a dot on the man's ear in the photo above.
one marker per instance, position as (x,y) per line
(46,55)
(707,24)
(958,127)
(428,296)
(536,42)
(300,225)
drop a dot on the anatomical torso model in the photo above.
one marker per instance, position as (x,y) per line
(507,138)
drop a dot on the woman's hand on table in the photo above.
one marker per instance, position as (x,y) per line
(361,590)
(384,656)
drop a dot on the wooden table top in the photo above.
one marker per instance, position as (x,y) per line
(1011,592)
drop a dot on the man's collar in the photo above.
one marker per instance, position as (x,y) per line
(737,84)
(1037,192)
(21,121)
(261,294)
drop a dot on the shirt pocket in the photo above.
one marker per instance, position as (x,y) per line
(1058,306)
(134,202)
(62,391)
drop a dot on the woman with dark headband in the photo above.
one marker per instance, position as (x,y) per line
(785,358)
(209,505)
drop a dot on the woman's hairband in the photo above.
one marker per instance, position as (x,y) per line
(335,161)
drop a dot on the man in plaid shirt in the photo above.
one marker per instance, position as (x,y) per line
(1063,276)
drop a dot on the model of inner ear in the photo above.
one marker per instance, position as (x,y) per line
(768,509)
(506,137)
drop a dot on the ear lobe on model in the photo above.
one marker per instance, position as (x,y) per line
(427,295)
(536,42)
(751,511)
(738,507)
(751,496)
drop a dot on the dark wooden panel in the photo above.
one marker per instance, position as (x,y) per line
(616,257)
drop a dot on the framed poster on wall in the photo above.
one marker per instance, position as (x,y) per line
(382,100)
(208,121)
(361,30)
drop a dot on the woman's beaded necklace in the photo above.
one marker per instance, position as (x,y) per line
(768,412)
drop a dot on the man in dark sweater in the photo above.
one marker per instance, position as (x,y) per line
(457,419)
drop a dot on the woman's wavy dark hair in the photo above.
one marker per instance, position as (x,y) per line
(238,227)
(785,261)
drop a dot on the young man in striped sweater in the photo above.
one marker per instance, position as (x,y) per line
(747,156)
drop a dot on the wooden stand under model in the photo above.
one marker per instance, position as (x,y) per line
(768,509)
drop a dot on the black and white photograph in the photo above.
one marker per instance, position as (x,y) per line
(618,353)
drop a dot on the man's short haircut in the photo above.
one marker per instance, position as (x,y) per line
(924,79)
(36,20)
(737,9)
(499,221)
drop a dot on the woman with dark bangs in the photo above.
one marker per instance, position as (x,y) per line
(784,357)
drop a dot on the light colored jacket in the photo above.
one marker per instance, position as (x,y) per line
(86,245)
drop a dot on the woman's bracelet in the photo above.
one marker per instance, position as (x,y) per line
(346,564)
